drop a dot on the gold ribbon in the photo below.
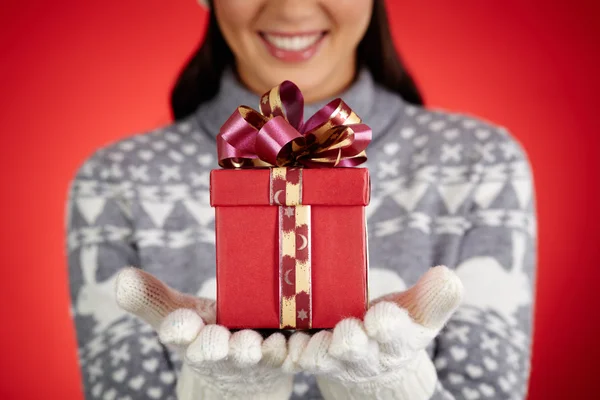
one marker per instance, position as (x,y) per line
(295,300)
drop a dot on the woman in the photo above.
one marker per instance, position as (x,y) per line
(446,189)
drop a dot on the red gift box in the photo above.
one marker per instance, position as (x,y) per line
(291,242)
(253,277)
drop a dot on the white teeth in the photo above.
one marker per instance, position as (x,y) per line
(293,43)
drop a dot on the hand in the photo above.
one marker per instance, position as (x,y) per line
(217,363)
(384,355)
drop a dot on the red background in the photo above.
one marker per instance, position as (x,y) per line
(77,74)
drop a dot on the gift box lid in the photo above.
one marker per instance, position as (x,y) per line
(320,186)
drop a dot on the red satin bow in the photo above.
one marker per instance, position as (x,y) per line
(277,136)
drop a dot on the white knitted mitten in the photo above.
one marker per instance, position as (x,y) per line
(217,363)
(382,357)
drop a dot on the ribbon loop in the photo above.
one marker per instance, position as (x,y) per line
(273,142)
(277,136)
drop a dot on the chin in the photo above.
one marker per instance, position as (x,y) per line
(306,80)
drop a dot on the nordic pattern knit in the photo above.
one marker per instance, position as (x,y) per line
(447,188)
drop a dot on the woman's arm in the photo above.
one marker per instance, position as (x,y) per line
(118,355)
(484,351)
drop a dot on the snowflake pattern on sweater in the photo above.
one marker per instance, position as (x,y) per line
(447,189)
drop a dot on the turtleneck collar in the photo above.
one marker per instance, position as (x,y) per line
(360,96)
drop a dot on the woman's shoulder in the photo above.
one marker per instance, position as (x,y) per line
(134,156)
(447,162)
(453,138)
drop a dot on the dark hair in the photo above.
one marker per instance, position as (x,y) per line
(199,80)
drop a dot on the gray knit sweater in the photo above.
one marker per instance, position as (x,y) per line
(447,189)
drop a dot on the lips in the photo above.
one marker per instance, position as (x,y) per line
(293,47)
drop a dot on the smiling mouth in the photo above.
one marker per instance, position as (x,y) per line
(293,46)
(292,42)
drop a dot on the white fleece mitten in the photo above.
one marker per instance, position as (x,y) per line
(217,363)
(382,357)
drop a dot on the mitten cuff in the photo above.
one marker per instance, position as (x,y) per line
(416,381)
(192,386)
